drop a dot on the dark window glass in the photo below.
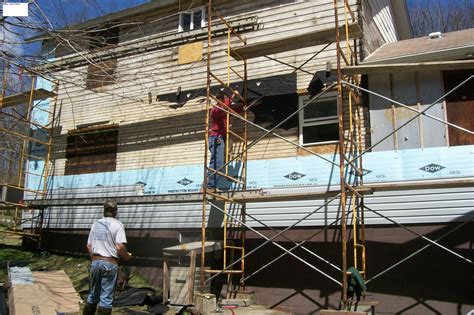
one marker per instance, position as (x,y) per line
(107,36)
(321,109)
(320,133)
(186,21)
(197,17)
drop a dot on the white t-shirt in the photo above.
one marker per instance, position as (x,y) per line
(104,234)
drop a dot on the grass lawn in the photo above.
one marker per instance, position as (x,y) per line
(77,268)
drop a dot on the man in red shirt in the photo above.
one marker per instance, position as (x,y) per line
(217,138)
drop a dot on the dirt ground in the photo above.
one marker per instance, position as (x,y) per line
(77,268)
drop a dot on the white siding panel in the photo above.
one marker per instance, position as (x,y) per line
(378,24)
(403,206)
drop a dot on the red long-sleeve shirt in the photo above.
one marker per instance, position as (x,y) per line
(219,119)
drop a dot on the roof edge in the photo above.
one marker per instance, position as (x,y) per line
(142,8)
(438,55)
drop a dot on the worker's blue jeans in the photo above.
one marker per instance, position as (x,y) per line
(217,149)
(103,278)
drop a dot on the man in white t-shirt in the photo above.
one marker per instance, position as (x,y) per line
(106,243)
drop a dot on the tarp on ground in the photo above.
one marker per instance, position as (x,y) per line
(51,293)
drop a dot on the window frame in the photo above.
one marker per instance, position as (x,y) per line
(327,120)
(202,9)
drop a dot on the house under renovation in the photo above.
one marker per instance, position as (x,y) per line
(353,153)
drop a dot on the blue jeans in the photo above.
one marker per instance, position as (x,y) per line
(217,148)
(103,278)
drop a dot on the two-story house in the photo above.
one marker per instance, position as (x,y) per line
(132,122)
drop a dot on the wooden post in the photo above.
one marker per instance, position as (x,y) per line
(191,276)
(166,279)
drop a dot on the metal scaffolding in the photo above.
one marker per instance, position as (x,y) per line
(235,153)
(350,145)
(351,148)
(26,140)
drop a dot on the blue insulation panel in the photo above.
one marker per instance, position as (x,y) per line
(40,116)
(388,166)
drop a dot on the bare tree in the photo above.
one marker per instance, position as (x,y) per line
(440,15)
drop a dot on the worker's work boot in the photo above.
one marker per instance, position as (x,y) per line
(89,309)
(104,311)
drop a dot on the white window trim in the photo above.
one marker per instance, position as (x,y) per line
(315,121)
(191,26)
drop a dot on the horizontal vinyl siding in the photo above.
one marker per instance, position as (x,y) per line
(378,24)
(402,206)
(149,134)
(412,206)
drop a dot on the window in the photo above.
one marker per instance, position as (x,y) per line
(318,120)
(91,150)
(107,36)
(102,73)
(192,19)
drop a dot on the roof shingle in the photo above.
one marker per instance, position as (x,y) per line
(423,45)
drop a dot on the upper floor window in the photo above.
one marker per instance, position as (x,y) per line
(107,36)
(318,120)
(102,73)
(192,19)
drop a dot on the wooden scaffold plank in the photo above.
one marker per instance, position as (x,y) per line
(24,98)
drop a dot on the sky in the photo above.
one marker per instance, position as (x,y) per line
(62,12)
(65,12)
(54,14)
(68,12)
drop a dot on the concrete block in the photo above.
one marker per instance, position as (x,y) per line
(364,306)
(205,303)
(246,295)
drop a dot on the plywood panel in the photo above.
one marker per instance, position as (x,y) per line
(59,290)
(461,114)
(190,53)
(459,106)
